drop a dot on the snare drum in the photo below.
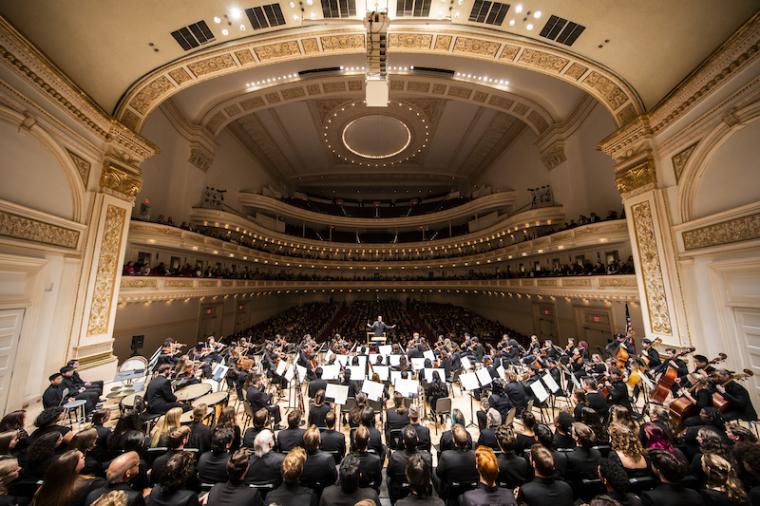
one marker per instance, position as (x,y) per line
(215,400)
(192,392)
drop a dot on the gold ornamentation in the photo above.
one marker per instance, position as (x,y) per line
(276,51)
(216,121)
(554,155)
(397,85)
(628,281)
(207,284)
(626,114)
(310,46)
(418,86)
(478,47)
(130,119)
(120,180)
(746,228)
(334,87)
(178,283)
(636,176)
(313,89)
(521,108)
(212,65)
(459,92)
(82,165)
(509,52)
(547,282)
(252,103)
(245,56)
(149,93)
(543,60)
(28,229)
(232,110)
(681,158)
(443,42)
(201,157)
(226,283)
(127,282)
(342,42)
(610,92)
(538,121)
(439,89)
(577,283)
(526,282)
(180,75)
(105,277)
(356,85)
(293,93)
(501,102)
(480,96)
(576,71)
(651,271)
(410,40)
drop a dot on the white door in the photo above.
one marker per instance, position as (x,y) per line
(10,331)
(748,325)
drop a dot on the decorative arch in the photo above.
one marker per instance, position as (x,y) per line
(71,173)
(145,95)
(697,163)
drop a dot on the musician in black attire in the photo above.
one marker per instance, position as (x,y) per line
(319,410)
(369,464)
(317,384)
(488,492)
(95,386)
(447,438)
(331,440)
(80,393)
(120,472)
(290,492)
(53,395)
(260,419)
(514,469)
(200,433)
(418,473)
(260,400)
(396,418)
(423,433)
(235,491)
(159,395)
(594,399)
(739,403)
(319,469)
(673,360)
(397,463)
(670,492)
(349,491)
(379,327)
(212,465)
(456,465)
(582,463)
(651,354)
(619,390)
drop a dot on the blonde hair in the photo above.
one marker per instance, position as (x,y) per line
(721,476)
(112,498)
(292,466)
(7,466)
(166,424)
(623,439)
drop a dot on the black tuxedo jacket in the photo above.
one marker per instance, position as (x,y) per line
(396,471)
(423,437)
(371,469)
(212,467)
(447,442)
(265,469)
(319,471)
(287,439)
(227,494)
(457,465)
(333,441)
(159,395)
(542,491)
(671,495)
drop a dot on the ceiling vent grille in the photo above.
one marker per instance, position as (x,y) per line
(561,30)
(265,16)
(419,8)
(490,13)
(339,8)
(191,36)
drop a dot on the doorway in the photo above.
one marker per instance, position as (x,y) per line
(10,332)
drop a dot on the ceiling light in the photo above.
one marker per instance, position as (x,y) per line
(225,32)
(292,5)
(217,19)
(518,8)
(511,22)
(313,15)
(295,17)
(456,14)
(537,14)
(242,27)
(529,26)
(235,13)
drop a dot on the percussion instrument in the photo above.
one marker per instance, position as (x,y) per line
(134,364)
(128,402)
(187,416)
(214,400)
(192,392)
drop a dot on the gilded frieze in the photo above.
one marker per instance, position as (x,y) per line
(521,108)
(120,180)
(746,228)
(418,86)
(153,91)
(334,87)
(547,282)
(130,120)
(212,65)
(478,47)
(273,98)
(342,42)
(252,103)
(410,40)
(443,42)
(509,52)
(180,75)
(610,92)
(480,96)
(576,71)
(310,46)
(232,110)
(178,283)
(580,282)
(680,159)
(459,92)
(355,85)
(293,93)
(276,51)
(635,177)
(28,229)
(245,56)
(538,121)
(616,282)
(107,270)
(82,165)
(651,270)
(543,60)
(626,114)
(127,282)
(216,121)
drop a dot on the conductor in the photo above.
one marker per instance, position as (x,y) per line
(379,327)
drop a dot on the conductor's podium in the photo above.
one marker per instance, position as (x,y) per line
(373,339)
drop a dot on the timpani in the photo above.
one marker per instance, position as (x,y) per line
(192,392)
(128,402)
(215,400)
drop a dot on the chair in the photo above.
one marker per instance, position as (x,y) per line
(591,488)
(247,415)
(641,484)
(442,407)
(603,449)
(205,487)
(456,489)
(152,454)
(394,437)
(263,488)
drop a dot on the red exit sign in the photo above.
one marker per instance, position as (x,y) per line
(546,312)
(596,318)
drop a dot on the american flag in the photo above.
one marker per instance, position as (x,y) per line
(628,326)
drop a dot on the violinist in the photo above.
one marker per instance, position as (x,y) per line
(739,402)
(570,346)
(651,354)
(674,361)
(594,399)
(534,347)
(186,376)
(618,390)
(598,368)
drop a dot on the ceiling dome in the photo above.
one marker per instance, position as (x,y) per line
(376,136)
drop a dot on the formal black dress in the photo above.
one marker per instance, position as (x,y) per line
(228,494)
(334,496)
(488,496)
(292,494)
(543,491)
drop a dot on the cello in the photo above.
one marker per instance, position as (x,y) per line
(667,380)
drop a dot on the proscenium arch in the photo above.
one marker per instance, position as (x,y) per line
(143,96)
(221,113)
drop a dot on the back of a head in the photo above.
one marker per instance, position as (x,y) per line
(493,418)
(117,469)
(418,475)
(112,498)
(294,419)
(457,417)
(59,480)
(409,436)
(84,440)
(319,397)
(260,418)
(361,438)
(199,412)
(667,465)
(543,461)
(349,473)
(177,437)
(179,468)
(460,436)
(528,420)
(584,435)
(330,419)
(311,438)
(292,465)
(505,435)
(263,442)
(487,465)
(368,417)
(237,466)
(614,476)
(414,413)
(544,435)
(221,439)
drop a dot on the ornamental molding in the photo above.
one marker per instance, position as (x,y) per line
(741,229)
(150,91)
(107,270)
(554,155)
(202,145)
(639,176)
(680,160)
(120,181)
(651,269)
(17,226)
(83,166)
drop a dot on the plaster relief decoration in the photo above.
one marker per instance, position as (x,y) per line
(745,228)
(651,270)
(105,276)
(681,158)
(82,165)
(27,229)
(120,181)
(610,92)
(542,60)
(637,176)
(553,155)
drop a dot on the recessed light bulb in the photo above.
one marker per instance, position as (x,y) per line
(511,22)
(292,5)
(235,13)
(295,17)
(529,26)
(242,27)
(225,32)
(537,14)
(518,8)
(217,19)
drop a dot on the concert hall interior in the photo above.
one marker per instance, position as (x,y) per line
(410,252)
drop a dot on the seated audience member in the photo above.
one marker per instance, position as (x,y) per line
(722,486)
(289,438)
(627,451)
(120,472)
(615,480)
(488,492)
(165,425)
(750,461)
(85,441)
(290,492)
(544,488)
(319,410)
(265,464)
(63,485)
(447,439)
(563,434)
(235,492)
(227,421)
(658,439)
(8,442)
(488,435)
(582,463)
(176,444)
(16,421)
(418,475)
(332,441)
(545,438)
(172,488)
(53,395)
(99,419)
(456,465)
(40,455)
(370,465)
(9,473)
(396,419)
(670,471)
(212,465)
(423,433)
(200,433)
(319,470)
(526,436)
(348,492)
(48,421)
(397,463)
(514,469)
(260,419)
(596,424)
(77,390)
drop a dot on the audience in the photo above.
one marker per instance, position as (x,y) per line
(290,492)
(235,491)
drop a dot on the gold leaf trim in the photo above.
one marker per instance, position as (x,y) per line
(105,277)
(745,228)
(28,229)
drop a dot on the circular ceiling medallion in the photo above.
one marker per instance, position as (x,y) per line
(376,136)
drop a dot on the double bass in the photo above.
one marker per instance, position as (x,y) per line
(667,380)
(721,403)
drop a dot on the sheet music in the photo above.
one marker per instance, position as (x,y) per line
(395,376)
(469,381)
(362,361)
(418,363)
(328,355)
(576,383)
(645,379)
(407,388)
(357,372)
(289,374)
(220,372)
(330,372)
(338,393)
(466,364)
(395,359)
(382,371)
(429,354)
(502,372)
(341,359)
(429,374)
(281,368)
(373,358)
(484,376)
(385,349)
(539,391)
(373,390)
(549,381)
(301,372)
